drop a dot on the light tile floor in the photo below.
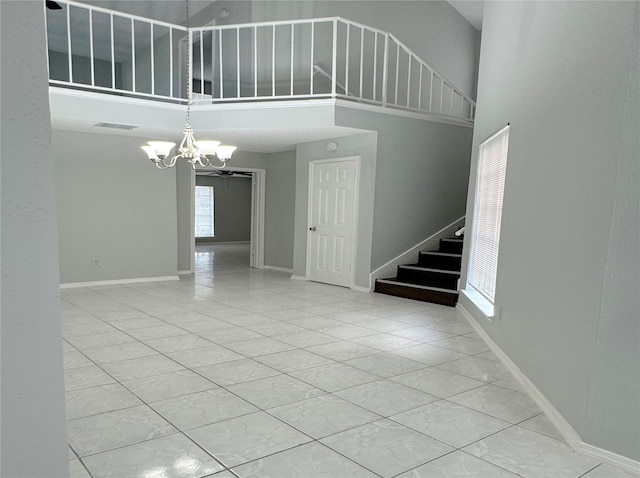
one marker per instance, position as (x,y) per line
(244,373)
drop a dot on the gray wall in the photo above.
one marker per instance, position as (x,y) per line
(421,178)
(434,30)
(561,74)
(185,206)
(280,209)
(616,348)
(413,183)
(232,208)
(364,146)
(114,206)
(32,393)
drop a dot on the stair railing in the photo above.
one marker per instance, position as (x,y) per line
(93,48)
(96,49)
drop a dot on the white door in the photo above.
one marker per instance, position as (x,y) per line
(332,210)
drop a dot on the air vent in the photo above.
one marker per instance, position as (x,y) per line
(115,125)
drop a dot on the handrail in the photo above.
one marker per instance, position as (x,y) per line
(133,56)
(468,98)
(121,14)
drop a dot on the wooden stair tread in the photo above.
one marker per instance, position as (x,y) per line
(417,267)
(416,286)
(437,253)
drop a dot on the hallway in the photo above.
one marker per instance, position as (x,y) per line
(238,372)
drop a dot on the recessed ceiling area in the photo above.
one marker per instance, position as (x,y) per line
(258,140)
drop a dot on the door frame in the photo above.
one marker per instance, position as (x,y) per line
(258,199)
(356,209)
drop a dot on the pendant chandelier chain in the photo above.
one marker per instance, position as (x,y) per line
(197,153)
(188,87)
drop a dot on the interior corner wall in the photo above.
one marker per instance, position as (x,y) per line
(362,145)
(616,348)
(114,207)
(434,30)
(422,173)
(232,208)
(32,417)
(560,74)
(280,209)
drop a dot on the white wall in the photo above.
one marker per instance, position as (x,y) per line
(32,419)
(114,206)
(559,73)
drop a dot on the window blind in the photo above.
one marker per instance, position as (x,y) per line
(487,214)
(204,223)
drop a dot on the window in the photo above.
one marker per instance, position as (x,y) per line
(204,211)
(487,215)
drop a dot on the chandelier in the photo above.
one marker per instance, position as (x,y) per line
(197,153)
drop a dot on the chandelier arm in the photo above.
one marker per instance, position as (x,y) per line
(169,162)
(210,164)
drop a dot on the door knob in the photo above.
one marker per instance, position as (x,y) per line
(312,228)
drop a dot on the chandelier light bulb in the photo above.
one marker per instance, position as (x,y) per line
(208,148)
(161,148)
(224,152)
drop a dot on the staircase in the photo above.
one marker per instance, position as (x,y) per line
(433,279)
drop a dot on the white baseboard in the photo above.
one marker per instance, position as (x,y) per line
(279,269)
(184,273)
(564,428)
(214,243)
(358,288)
(353,287)
(609,457)
(73,285)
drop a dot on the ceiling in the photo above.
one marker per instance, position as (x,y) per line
(258,140)
(171,11)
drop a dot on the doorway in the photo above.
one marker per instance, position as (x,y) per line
(258,181)
(331,235)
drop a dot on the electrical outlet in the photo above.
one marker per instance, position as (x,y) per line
(95,263)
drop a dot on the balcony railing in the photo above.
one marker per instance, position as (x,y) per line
(96,49)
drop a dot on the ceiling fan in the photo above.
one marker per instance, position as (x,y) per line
(225,173)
